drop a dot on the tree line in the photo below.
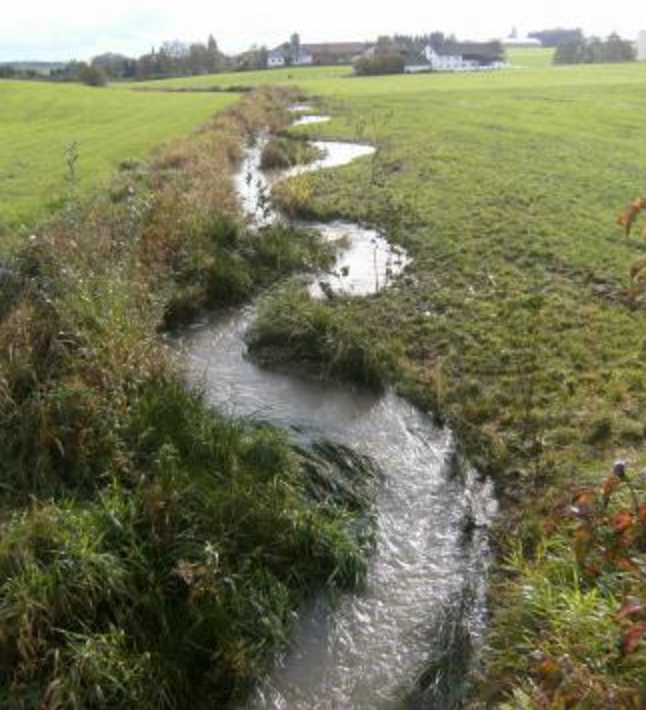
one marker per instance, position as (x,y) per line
(557,36)
(171,59)
(594,50)
(176,59)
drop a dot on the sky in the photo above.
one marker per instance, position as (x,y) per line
(56,30)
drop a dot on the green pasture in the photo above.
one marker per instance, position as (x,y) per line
(530,56)
(506,188)
(512,322)
(38,121)
(525,76)
(538,159)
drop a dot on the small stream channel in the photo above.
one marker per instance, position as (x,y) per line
(407,639)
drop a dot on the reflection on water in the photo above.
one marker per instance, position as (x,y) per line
(366,263)
(310,120)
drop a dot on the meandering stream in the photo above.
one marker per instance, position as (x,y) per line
(424,605)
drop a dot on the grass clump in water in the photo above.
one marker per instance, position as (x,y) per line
(318,337)
(283,152)
(226,264)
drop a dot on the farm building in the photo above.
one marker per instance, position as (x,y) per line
(526,42)
(516,40)
(456,56)
(285,55)
(641,46)
(319,54)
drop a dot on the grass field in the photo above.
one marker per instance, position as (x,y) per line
(506,189)
(38,120)
(512,325)
(530,56)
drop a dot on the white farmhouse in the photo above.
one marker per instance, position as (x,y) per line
(285,55)
(457,57)
(276,59)
(304,58)
(449,61)
(641,46)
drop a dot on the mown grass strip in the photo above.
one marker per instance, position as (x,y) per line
(38,120)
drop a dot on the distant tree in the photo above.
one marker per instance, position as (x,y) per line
(212,46)
(557,37)
(146,66)
(214,57)
(573,51)
(92,75)
(388,57)
(130,70)
(295,46)
(198,59)
(619,50)
(254,58)
(115,66)
(387,46)
(594,51)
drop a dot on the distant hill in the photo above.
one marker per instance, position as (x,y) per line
(39,67)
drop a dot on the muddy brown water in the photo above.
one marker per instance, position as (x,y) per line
(411,633)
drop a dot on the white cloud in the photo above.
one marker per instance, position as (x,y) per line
(81,28)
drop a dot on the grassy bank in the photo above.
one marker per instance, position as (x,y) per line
(512,326)
(152,553)
(40,120)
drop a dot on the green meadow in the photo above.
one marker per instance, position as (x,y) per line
(38,121)
(514,326)
(514,323)
(530,56)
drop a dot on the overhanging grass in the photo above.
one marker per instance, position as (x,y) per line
(172,587)
(284,152)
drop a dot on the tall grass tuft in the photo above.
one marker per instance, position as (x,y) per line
(286,152)
(294,328)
